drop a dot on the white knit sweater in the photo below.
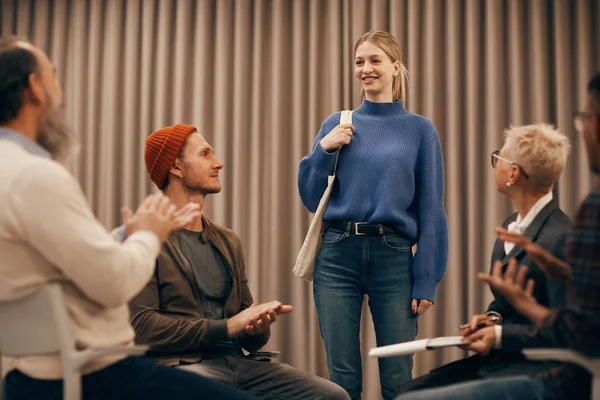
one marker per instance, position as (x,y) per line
(49,234)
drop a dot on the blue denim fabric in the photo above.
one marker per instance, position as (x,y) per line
(511,388)
(349,267)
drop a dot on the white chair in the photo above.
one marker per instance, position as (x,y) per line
(566,355)
(38,324)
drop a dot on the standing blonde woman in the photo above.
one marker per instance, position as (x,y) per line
(388,195)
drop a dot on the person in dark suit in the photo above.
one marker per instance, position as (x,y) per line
(526,170)
(575,326)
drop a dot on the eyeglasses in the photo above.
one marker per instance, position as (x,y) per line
(580,116)
(496,157)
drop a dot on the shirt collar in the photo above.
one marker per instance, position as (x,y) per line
(535,210)
(25,142)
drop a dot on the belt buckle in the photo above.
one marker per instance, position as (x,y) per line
(356,232)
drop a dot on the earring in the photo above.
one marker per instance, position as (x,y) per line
(507,183)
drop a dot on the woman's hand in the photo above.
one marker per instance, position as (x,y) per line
(478,321)
(482,340)
(339,136)
(420,306)
(517,289)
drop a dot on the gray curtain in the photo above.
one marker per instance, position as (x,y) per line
(258,78)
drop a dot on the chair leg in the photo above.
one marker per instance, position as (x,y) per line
(72,386)
(596,387)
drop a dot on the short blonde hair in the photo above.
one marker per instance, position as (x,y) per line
(540,149)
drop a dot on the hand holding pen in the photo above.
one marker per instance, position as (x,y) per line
(479,321)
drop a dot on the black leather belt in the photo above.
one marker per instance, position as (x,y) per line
(363,228)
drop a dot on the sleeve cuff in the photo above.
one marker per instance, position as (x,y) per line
(495,314)
(119,233)
(498,344)
(217,330)
(425,289)
(148,237)
(254,343)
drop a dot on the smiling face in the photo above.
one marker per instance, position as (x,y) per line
(375,71)
(199,166)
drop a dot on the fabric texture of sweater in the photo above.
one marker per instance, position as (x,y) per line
(49,234)
(391,172)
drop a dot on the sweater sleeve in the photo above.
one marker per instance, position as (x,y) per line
(516,337)
(316,167)
(51,213)
(429,265)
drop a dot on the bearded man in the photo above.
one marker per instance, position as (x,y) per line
(49,234)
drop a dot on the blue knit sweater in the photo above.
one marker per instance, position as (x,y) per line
(391,172)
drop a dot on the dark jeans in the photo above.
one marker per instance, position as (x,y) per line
(510,388)
(498,364)
(348,268)
(268,380)
(129,379)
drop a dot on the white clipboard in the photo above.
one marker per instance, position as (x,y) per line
(415,346)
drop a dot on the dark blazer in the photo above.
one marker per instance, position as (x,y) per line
(549,230)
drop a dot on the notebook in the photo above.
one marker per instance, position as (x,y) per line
(416,346)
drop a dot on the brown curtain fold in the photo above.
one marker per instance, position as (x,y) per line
(257,77)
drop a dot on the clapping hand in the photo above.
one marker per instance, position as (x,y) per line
(260,323)
(512,285)
(159,215)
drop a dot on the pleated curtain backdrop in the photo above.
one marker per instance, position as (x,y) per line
(258,77)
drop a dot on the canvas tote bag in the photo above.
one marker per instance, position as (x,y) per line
(305,262)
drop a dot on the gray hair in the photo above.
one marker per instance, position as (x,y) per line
(541,150)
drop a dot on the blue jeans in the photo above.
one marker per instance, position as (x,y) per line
(132,378)
(349,267)
(511,388)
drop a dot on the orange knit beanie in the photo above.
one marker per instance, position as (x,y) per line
(162,149)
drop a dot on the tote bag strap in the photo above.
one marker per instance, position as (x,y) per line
(345,118)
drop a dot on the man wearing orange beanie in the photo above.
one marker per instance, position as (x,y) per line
(197,310)
(48,234)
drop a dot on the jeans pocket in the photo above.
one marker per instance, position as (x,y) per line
(396,242)
(332,236)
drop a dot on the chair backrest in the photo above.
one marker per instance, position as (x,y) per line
(35,324)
